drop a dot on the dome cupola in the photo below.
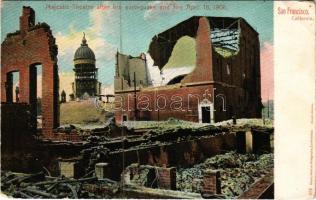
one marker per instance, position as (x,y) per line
(84,55)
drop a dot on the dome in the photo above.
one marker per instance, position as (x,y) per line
(84,52)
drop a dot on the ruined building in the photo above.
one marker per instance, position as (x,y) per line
(23,51)
(128,67)
(86,72)
(213,70)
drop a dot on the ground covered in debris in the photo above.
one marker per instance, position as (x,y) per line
(40,186)
(268,123)
(176,123)
(238,172)
(170,123)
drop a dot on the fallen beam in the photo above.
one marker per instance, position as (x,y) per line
(64,181)
(41,193)
(262,189)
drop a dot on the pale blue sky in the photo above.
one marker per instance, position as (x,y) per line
(131,33)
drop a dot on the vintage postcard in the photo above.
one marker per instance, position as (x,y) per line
(158,99)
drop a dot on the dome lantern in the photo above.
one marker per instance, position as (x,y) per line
(84,41)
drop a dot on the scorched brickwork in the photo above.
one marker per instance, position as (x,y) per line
(21,52)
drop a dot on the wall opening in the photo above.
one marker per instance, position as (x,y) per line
(124,118)
(12,86)
(45,53)
(36,92)
(12,80)
(206,111)
(206,118)
(176,79)
(16,86)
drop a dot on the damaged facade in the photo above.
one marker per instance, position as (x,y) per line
(131,71)
(22,51)
(224,80)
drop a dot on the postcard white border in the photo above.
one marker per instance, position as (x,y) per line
(294,71)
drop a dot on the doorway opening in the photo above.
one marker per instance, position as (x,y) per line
(206,118)
(36,88)
(206,111)
(12,87)
(124,118)
(36,92)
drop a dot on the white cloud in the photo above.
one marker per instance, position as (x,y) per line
(103,24)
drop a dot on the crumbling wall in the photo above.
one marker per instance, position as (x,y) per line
(126,68)
(227,66)
(175,154)
(160,103)
(161,53)
(204,68)
(21,51)
(238,74)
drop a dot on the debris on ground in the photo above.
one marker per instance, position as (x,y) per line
(38,185)
(268,123)
(238,172)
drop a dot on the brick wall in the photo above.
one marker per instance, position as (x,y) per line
(156,177)
(211,182)
(184,154)
(159,109)
(21,52)
(167,178)
(235,94)
(204,68)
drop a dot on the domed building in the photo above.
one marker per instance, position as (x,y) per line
(86,72)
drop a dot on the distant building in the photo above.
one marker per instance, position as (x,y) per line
(128,67)
(215,74)
(86,72)
(63,97)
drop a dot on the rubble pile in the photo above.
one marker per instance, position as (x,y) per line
(238,172)
(90,156)
(268,123)
(157,136)
(141,177)
(171,123)
(168,136)
(145,176)
(69,130)
(40,186)
(180,133)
